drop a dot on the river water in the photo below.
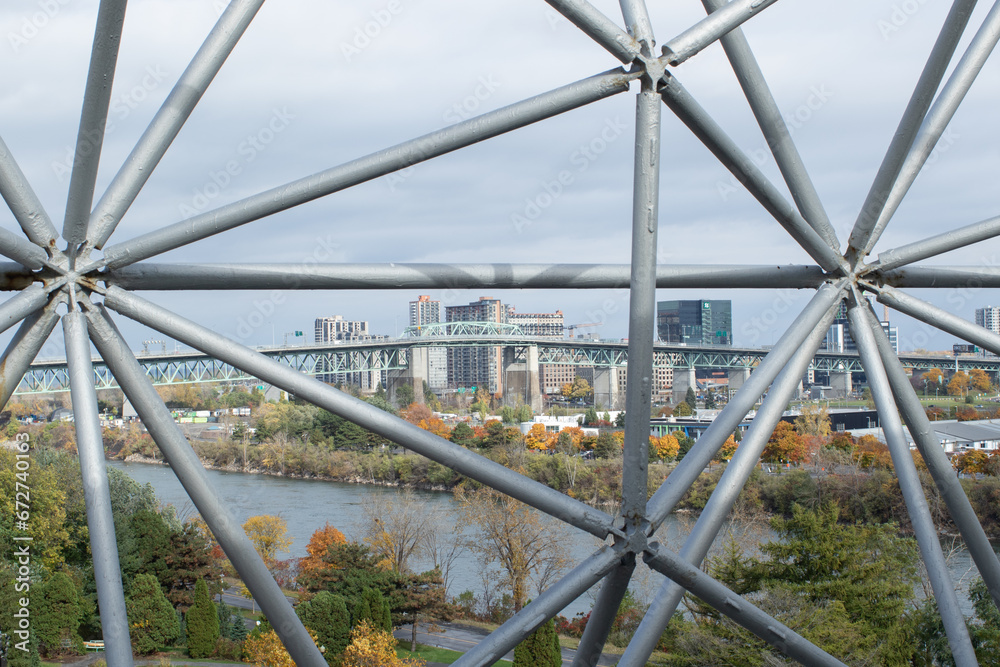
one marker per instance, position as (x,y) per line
(307,505)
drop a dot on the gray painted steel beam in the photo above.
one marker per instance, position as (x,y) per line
(937,245)
(941,276)
(96,492)
(23,203)
(940,115)
(603,613)
(364,169)
(457,458)
(938,318)
(739,610)
(14,276)
(24,347)
(21,250)
(642,305)
(909,483)
(637,19)
(152,276)
(727,490)
(710,29)
(185,463)
(19,306)
(683,476)
(548,604)
(90,139)
(170,119)
(940,468)
(862,237)
(599,27)
(742,167)
(772,125)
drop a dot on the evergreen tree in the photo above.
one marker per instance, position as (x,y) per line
(691,398)
(605,447)
(58,615)
(202,623)
(373,606)
(463,435)
(326,615)
(231,625)
(152,620)
(540,648)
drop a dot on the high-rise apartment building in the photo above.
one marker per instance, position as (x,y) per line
(700,322)
(838,338)
(423,311)
(544,325)
(989,318)
(476,366)
(338,330)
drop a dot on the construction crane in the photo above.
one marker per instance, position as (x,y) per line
(573,327)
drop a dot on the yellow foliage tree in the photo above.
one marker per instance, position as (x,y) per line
(269,535)
(813,420)
(538,438)
(979,379)
(436,426)
(268,651)
(728,449)
(319,544)
(374,647)
(958,383)
(664,447)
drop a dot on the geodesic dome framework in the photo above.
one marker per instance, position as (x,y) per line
(84,279)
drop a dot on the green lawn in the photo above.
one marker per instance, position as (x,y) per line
(432,654)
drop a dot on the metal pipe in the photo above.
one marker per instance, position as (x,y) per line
(742,167)
(363,414)
(307,276)
(939,116)
(642,305)
(941,276)
(22,304)
(364,169)
(937,245)
(186,465)
(14,276)
(909,483)
(169,120)
(862,236)
(937,317)
(711,28)
(603,613)
(545,606)
(21,250)
(728,489)
(599,27)
(637,20)
(743,613)
(772,125)
(24,347)
(23,202)
(96,492)
(90,139)
(683,476)
(940,468)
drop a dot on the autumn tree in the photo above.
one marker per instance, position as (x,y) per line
(683,409)
(415,412)
(266,650)
(371,646)
(727,450)
(319,544)
(538,438)
(784,445)
(394,526)
(436,426)
(509,532)
(979,380)
(269,535)
(578,389)
(958,384)
(972,462)
(663,448)
(813,420)
(872,453)
(933,376)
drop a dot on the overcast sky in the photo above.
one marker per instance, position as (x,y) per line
(305,90)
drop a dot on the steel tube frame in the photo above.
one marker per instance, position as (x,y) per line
(603,613)
(461,460)
(20,250)
(169,120)
(940,468)
(739,610)
(637,20)
(22,304)
(545,606)
(96,492)
(642,304)
(941,113)
(941,276)
(936,317)
(909,484)
(364,169)
(23,202)
(728,489)
(151,276)
(937,245)
(689,112)
(599,27)
(186,465)
(710,29)
(14,276)
(863,235)
(90,139)
(24,347)
(775,130)
(683,476)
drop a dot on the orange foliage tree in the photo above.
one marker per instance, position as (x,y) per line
(972,462)
(872,453)
(435,426)
(784,445)
(538,438)
(374,647)
(415,412)
(319,544)
(728,449)
(664,447)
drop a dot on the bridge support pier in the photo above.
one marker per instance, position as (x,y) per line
(683,378)
(417,372)
(606,388)
(737,377)
(521,378)
(841,384)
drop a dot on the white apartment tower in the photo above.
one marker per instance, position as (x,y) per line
(989,318)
